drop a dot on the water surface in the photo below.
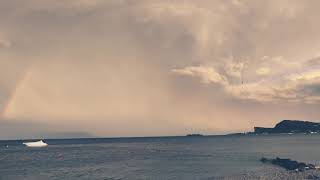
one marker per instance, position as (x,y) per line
(152,158)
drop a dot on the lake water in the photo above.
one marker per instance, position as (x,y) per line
(185,158)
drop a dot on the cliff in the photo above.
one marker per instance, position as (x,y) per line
(290,126)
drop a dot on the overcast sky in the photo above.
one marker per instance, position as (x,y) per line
(149,68)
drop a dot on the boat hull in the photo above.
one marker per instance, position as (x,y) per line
(36,144)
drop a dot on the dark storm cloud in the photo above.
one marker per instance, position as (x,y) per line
(116,66)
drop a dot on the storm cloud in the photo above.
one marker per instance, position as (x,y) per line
(138,68)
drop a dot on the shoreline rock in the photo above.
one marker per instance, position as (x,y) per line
(289,164)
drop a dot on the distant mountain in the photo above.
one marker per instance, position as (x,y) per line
(35,130)
(290,126)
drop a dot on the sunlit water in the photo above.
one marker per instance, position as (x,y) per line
(153,158)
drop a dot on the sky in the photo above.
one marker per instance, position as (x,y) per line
(154,68)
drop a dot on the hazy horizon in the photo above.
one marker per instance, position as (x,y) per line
(155,68)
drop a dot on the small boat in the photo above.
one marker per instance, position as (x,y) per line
(35,144)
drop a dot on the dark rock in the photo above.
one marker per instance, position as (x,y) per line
(194,135)
(289,164)
(290,126)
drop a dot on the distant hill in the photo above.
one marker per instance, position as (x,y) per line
(290,126)
(35,130)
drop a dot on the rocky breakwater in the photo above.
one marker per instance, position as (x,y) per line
(289,164)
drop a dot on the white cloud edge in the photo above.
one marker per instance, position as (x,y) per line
(290,87)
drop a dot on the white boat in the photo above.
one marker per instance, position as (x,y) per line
(36,144)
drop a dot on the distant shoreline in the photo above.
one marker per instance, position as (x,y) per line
(152,137)
(285,127)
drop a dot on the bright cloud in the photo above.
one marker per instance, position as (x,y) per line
(206,74)
(292,87)
(263,71)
